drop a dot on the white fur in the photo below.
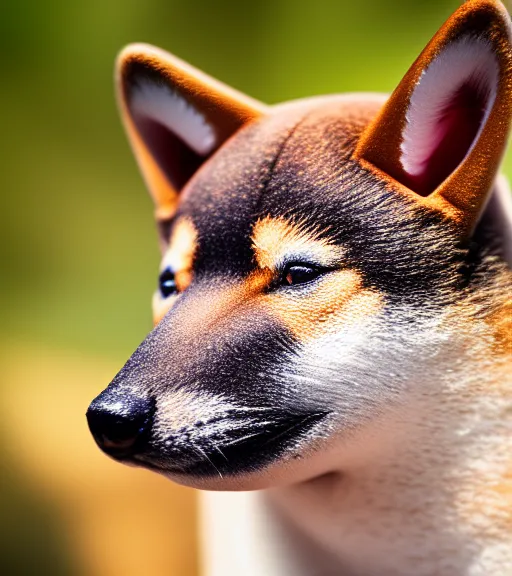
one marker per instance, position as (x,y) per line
(415,472)
(469,57)
(161,104)
(409,492)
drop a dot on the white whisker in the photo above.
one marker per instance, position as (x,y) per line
(203,453)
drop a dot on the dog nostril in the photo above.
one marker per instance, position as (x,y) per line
(120,423)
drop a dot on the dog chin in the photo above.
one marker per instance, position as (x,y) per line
(254,461)
(289,469)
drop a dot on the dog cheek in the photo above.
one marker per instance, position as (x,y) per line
(337,303)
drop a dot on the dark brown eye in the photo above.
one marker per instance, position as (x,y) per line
(299,274)
(167,283)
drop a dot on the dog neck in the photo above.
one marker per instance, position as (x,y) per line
(427,490)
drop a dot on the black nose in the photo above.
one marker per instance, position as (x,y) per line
(120,422)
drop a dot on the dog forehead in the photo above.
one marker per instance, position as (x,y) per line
(315,176)
(267,169)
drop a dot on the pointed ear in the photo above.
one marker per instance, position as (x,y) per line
(443,131)
(176,117)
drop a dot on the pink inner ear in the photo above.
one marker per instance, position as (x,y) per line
(177,160)
(453,135)
(447,111)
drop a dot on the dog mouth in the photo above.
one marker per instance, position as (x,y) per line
(230,446)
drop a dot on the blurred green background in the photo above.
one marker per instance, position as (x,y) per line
(79,251)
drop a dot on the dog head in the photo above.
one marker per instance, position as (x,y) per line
(309,250)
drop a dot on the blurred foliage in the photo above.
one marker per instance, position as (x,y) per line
(77,244)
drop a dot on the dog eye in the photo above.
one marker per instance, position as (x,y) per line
(167,283)
(299,274)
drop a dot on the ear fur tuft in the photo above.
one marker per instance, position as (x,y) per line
(159,103)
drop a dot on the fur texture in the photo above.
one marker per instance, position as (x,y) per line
(328,328)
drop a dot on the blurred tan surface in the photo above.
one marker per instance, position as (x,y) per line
(117,520)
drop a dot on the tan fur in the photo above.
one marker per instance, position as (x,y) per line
(224,302)
(180,256)
(338,302)
(274,238)
(183,247)
(501,322)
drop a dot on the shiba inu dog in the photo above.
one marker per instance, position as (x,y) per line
(334,313)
